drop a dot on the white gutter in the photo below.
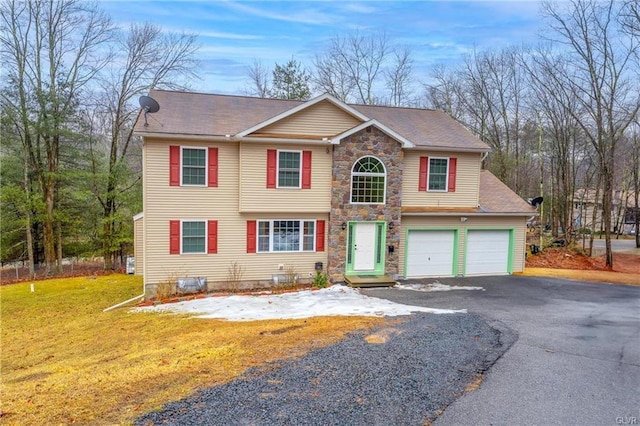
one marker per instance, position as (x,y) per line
(468,214)
(448,149)
(250,139)
(163,135)
(232,138)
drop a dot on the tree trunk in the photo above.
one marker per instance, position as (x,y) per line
(48,234)
(607,195)
(594,214)
(27,214)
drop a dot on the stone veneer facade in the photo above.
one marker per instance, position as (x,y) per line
(367,142)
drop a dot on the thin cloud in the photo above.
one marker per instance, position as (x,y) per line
(304,16)
(230,36)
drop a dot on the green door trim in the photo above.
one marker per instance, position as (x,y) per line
(380,252)
(512,242)
(456,245)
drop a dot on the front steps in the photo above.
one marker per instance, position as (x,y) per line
(369,281)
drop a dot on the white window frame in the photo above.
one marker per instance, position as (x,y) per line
(206,165)
(301,235)
(384,175)
(278,169)
(446,175)
(206,235)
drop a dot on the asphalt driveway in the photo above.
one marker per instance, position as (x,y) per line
(576,361)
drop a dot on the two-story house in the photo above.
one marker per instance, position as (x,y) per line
(274,185)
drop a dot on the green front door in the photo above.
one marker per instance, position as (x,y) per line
(365,248)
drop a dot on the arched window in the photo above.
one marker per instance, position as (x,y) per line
(368,177)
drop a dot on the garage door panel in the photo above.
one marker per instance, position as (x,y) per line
(430,253)
(487,252)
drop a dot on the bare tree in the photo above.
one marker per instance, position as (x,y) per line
(352,66)
(51,50)
(599,55)
(445,91)
(258,80)
(630,17)
(400,77)
(564,138)
(147,58)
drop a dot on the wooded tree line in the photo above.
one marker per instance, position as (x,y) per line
(70,164)
(558,116)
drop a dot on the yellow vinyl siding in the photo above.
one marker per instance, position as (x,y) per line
(467,181)
(322,119)
(138,245)
(255,197)
(473,222)
(163,203)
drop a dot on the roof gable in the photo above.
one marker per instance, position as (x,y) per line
(322,119)
(300,111)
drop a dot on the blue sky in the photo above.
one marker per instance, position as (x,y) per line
(234,33)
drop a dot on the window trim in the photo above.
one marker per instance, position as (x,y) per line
(301,235)
(446,174)
(384,175)
(206,166)
(300,160)
(205,236)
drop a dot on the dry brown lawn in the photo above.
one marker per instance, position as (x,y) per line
(65,361)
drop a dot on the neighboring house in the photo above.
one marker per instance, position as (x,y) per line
(622,211)
(276,186)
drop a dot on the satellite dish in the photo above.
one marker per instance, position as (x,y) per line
(148,105)
(536,201)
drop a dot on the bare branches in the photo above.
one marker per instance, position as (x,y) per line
(357,68)
(598,58)
(258,75)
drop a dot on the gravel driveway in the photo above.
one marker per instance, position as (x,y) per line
(402,373)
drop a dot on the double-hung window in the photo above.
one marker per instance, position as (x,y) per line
(194,166)
(286,235)
(289,165)
(438,173)
(194,235)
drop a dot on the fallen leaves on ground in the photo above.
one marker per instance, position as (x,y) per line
(563,263)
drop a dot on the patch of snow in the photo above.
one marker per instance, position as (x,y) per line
(337,300)
(436,286)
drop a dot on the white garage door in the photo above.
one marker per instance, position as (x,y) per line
(487,252)
(430,254)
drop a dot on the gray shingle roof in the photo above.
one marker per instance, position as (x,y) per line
(496,197)
(199,114)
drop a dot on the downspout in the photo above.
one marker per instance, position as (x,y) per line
(130,300)
(125,302)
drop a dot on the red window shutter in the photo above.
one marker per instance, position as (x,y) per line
(320,235)
(424,170)
(306,169)
(212,236)
(213,167)
(174,165)
(174,237)
(251,236)
(452,174)
(271,167)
